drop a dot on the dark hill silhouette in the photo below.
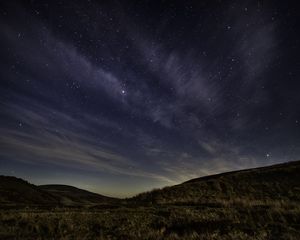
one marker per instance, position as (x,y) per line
(18,192)
(69,195)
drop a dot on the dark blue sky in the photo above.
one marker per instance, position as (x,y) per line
(119,97)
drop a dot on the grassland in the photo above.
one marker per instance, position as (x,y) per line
(254,204)
(228,221)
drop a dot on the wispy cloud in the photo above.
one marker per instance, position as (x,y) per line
(40,139)
(139,104)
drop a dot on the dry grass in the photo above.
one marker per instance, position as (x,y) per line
(254,204)
(228,221)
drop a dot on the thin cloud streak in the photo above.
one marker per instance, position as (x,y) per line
(37,142)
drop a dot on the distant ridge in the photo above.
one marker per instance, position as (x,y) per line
(70,195)
(18,192)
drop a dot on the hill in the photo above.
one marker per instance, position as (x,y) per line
(18,192)
(69,195)
(274,183)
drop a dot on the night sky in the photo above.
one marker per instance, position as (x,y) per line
(120,97)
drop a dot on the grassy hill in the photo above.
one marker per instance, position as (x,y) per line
(274,183)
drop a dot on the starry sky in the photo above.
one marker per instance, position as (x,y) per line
(120,97)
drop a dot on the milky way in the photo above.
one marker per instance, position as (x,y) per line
(120,97)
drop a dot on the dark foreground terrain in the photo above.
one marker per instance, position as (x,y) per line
(262,203)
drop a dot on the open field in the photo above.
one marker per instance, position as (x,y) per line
(218,221)
(253,204)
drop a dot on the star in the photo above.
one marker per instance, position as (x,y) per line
(213,78)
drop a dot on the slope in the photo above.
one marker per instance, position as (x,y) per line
(274,183)
(16,191)
(69,195)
